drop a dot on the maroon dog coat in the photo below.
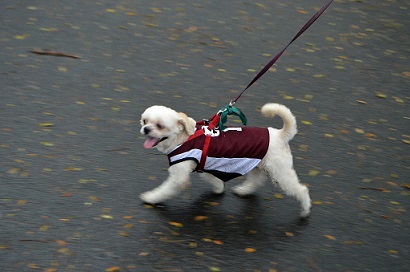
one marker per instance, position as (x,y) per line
(232,152)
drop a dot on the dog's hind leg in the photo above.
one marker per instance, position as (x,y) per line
(254,179)
(218,186)
(288,181)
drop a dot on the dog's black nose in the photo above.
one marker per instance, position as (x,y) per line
(147,130)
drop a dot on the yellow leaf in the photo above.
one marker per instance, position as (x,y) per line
(49,29)
(250,250)
(47,144)
(158,10)
(381,95)
(398,99)
(13,171)
(176,224)
(193,245)
(359,130)
(200,218)
(113,269)
(33,266)
(73,168)
(128,226)
(21,37)
(94,198)
(21,202)
(123,233)
(303,147)
(290,69)
(330,237)
(313,172)
(306,122)
(61,242)
(106,216)
(110,10)
(278,196)
(43,228)
(46,124)
(288,97)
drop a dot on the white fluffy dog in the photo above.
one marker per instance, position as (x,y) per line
(168,130)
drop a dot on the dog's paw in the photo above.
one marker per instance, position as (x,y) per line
(219,189)
(241,190)
(305,213)
(149,197)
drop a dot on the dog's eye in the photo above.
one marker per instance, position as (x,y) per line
(159,126)
(144,121)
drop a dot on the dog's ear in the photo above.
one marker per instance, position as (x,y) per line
(187,122)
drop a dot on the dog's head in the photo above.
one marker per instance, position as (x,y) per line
(165,128)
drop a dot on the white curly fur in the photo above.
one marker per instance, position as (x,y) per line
(174,128)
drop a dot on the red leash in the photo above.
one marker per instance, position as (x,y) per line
(214,120)
(269,65)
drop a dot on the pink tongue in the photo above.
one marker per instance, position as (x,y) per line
(150,142)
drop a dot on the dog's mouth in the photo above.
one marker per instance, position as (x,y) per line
(151,142)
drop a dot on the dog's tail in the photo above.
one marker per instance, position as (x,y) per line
(289,129)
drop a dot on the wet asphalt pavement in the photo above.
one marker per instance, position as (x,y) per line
(72,162)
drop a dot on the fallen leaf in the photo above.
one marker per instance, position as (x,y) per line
(200,218)
(33,266)
(113,269)
(94,198)
(46,124)
(193,245)
(61,242)
(278,196)
(250,250)
(48,144)
(176,224)
(313,172)
(218,242)
(381,95)
(73,168)
(43,228)
(330,237)
(21,202)
(123,233)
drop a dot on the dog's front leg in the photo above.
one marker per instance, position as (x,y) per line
(178,179)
